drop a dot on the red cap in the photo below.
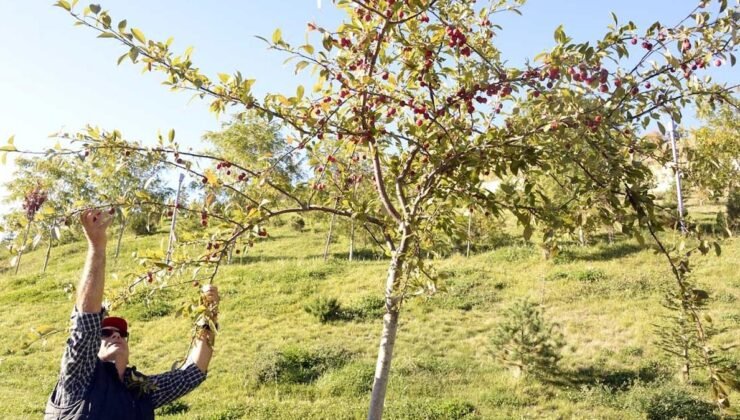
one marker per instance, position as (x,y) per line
(119,323)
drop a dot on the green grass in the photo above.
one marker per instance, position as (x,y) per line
(605,298)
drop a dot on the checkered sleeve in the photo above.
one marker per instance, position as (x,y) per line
(172,385)
(80,355)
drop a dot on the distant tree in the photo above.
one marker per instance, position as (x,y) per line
(714,150)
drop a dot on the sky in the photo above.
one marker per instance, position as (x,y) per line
(55,76)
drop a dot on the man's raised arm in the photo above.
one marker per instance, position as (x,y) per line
(92,283)
(80,354)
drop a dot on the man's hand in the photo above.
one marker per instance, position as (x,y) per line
(210,295)
(94,223)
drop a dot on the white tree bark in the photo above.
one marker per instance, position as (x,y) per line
(388,336)
(48,249)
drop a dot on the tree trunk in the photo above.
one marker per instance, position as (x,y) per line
(470,222)
(20,250)
(48,250)
(581,236)
(388,336)
(686,368)
(331,230)
(351,238)
(120,235)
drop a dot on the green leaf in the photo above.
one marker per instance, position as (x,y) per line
(559,35)
(122,25)
(11,139)
(224,77)
(8,148)
(106,35)
(138,35)
(299,92)
(95,8)
(172,134)
(277,36)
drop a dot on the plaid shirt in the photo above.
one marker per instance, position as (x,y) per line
(81,354)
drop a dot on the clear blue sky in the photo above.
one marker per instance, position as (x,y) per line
(57,76)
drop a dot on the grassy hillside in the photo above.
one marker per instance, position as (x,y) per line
(606,299)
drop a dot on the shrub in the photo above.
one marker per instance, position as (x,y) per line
(324,309)
(297,223)
(367,308)
(296,365)
(142,224)
(148,306)
(590,275)
(433,410)
(525,342)
(733,208)
(354,379)
(170,409)
(678,404)
(721,224)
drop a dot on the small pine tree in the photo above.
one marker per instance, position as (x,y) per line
(526,343)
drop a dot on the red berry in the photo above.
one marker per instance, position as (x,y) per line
(685,45)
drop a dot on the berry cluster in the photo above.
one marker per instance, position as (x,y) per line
(33,202)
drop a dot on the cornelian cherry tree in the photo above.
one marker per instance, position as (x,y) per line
(417,92)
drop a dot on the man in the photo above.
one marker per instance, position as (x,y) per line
(95,381)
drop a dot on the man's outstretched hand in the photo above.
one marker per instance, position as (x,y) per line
(210,295)
(94,223)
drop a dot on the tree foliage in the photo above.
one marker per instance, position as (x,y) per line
(417,94)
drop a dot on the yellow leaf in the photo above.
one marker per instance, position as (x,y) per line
(211,176)
(210,198)
(277,36)
(138,35)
